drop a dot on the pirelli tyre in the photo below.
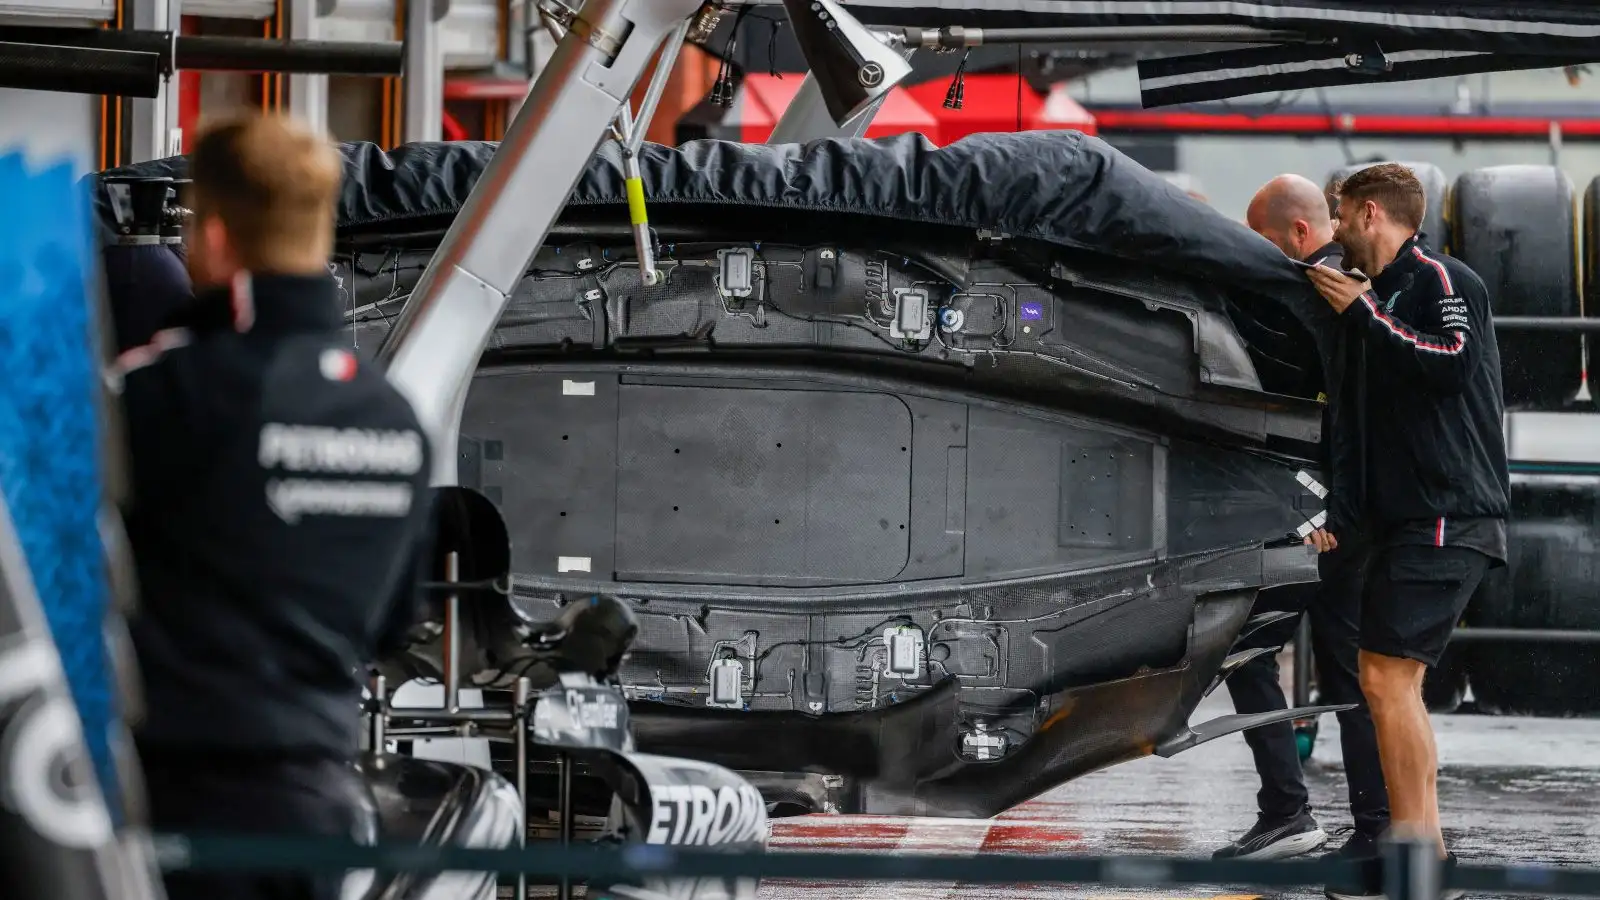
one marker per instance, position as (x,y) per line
(1435,186)
(1549,584)
(1591,272)
(1516,226)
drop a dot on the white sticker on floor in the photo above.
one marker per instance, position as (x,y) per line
(577,389)
(1311,484)
(1317,521)
(572,564)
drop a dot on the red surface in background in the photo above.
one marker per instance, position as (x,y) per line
(766,97)
(990,104)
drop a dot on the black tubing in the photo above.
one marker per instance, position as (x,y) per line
(157,42)
(228,54)
(79,70)
(234,54)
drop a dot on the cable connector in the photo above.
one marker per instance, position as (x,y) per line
(955,97)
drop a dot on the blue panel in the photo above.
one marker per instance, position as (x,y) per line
(50,430)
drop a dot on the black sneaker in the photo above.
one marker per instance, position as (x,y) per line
(1359,843)
(1370,885)
(1362,846)
(1446,869)
(1277,838)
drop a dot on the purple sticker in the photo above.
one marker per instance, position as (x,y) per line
(1032,311)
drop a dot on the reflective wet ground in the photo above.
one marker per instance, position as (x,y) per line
(1511,790)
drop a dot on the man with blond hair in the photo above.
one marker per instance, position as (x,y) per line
(279,490)
(1430,458)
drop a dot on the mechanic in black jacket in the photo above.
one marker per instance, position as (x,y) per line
(1293,213)
(1431,460)
(280,491)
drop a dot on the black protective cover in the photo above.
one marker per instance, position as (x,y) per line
(1060,187)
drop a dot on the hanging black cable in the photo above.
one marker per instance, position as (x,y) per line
(772,48)
(1019,88)
(956,95)
(723,90)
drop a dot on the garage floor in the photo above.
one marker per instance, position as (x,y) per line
(1512,790)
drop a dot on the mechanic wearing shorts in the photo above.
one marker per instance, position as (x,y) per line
(1431,454)
(1293,213)
(279,493)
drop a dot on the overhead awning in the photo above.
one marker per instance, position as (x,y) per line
(1502,27)
(1373,116)
(1227,74)
(1313,43)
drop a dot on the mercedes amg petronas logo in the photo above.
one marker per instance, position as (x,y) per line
(870,75)
(45,776)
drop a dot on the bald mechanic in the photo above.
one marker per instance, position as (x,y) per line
(1292,213)
(279,488)
(1429,457)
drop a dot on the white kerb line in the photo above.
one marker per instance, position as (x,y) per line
(958,837)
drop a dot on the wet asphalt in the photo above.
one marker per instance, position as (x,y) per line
(1512,790)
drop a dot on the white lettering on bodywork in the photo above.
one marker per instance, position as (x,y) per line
(696,815)
(310,448)
(291,498)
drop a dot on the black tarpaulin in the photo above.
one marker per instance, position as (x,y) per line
(1059,187)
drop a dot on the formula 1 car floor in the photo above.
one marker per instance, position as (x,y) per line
(1512,790)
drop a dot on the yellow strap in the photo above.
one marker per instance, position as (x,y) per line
(635,188)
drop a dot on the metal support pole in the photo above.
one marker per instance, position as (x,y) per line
(520,694)
(434,346)
(452,635)
(156,133)
(630,134)
(1563,324)
(377,720)
(639,224)
(1302,662)
(424,77)
(957,37)
(564,803)
(1527,635)
(454,717)
(308,94)
(658,84)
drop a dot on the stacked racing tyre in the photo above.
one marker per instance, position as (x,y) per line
(1517,227)
(1591,266)
(1548,584)
(1435,230)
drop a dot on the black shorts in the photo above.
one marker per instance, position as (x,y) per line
(1414,597)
